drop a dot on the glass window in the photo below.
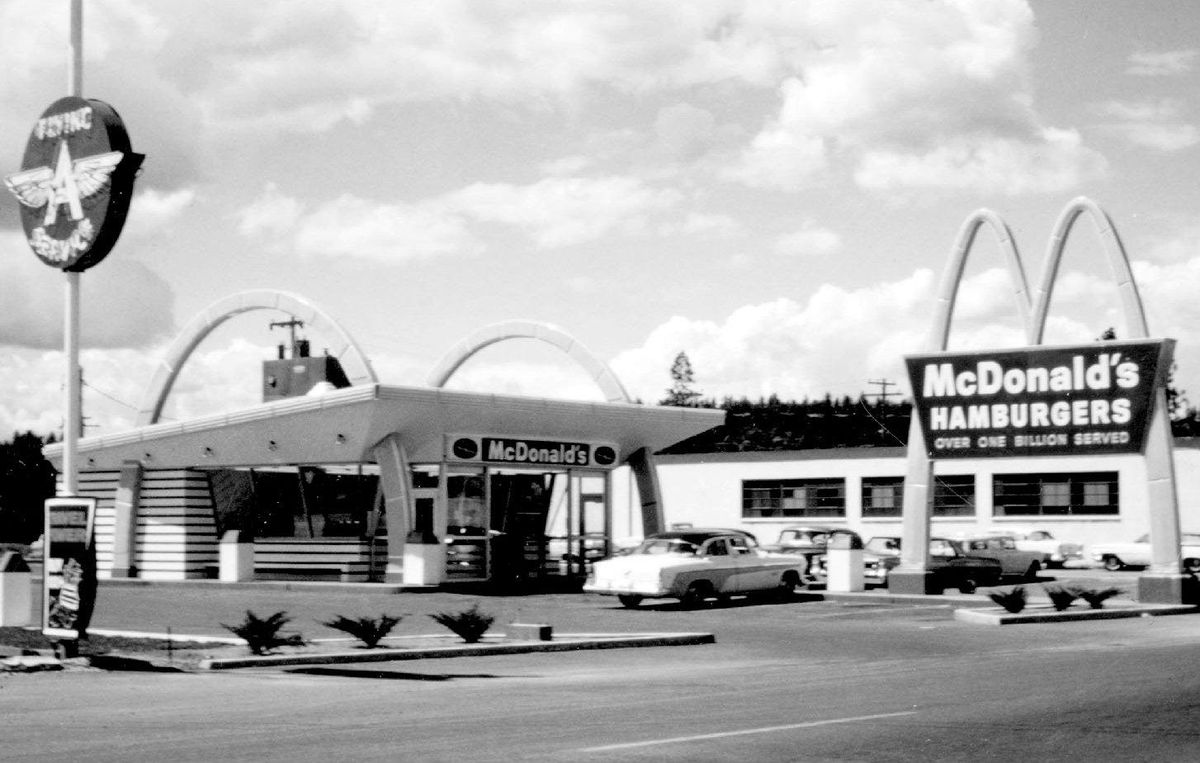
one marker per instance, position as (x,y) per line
(1060,494)
(794,498)
(882,496)
(954,495)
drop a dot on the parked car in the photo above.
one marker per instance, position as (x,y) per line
(1058,552)
(949,563)
(1013,561)
(810,541)
(694,565)
(1118,556)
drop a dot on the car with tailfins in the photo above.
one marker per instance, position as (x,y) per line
(1118,556)
(694,565)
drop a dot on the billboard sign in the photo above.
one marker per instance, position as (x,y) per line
(69,581)
(528,452)
(1038,401)
(75,183)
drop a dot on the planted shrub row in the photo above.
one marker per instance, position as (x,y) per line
(1061,597)
(264,635)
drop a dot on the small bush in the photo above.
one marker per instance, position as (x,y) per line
(469,625)
(1012,600)
(1096,597)
(1061,597)
(366,629)
(263,636)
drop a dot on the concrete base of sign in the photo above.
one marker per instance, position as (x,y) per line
(236,559)
(424,564)
(16,599)
(844,568)
(920,583)
(1167,589)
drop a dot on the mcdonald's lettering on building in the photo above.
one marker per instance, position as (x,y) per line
(1095,398)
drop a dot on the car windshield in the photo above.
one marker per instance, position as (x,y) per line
(666,546)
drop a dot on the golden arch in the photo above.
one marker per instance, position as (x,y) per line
(358,369)
(1160,469)
(606,380)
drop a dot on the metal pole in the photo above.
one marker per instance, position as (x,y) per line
(72,406)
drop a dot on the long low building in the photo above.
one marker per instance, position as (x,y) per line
(1089,499)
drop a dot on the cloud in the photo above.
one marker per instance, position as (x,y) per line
(1165,64)
(553,212)
(123,303)
(915,95)
(1157,125)
(811,240)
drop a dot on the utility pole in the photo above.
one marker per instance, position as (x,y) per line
(883,393)
(291,325)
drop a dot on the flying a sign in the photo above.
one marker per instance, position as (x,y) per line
(1093,398)
(75,183)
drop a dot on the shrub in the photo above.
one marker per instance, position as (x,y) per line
(263,636)
(366,629)
(1012,600)
(1061,597)
(469,625)
(1096,597)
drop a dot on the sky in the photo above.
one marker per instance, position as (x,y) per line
(773,188)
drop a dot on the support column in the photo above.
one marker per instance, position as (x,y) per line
(125,519)
(1164,581)
(912,574)
(645,471)
(396,479)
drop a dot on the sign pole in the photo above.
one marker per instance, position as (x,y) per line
(72,391)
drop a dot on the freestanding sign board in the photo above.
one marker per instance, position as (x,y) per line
(1038,401)
(69,580)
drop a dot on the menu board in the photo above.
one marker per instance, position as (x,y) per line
(69,581)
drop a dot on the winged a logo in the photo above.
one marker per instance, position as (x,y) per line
(69,182)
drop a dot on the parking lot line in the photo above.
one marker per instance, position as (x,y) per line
(744,732)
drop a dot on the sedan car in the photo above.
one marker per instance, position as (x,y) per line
(949,564)
(694,565)
(810,541)
(1118,556)
(1058,552)
(1013,561)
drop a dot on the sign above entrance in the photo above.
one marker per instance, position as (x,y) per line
(1044,401)
(527,452)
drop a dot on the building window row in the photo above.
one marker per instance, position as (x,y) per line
(1023,495)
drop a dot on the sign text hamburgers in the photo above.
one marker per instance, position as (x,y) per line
(1038,401)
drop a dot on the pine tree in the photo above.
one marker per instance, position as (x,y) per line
(682,378)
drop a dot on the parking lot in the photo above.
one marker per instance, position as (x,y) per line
(810,679)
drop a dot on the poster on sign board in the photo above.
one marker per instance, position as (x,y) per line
(69,582)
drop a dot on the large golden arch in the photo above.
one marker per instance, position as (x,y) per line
(358,369)
(1164,580)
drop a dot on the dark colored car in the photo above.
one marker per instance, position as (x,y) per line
(949,565)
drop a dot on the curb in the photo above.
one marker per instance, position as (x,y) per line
(1000,617)
(463,650)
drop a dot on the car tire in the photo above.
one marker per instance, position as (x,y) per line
(1191,564)
(967,586)
(696,593)
(1032,572)
(788,585)
(1113,563)
(629,600)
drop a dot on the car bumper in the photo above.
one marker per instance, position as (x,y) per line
(625,587)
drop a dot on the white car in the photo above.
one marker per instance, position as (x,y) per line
(694,565)
(1058,552)
(1117,556)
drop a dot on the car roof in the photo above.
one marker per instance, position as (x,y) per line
(696,535)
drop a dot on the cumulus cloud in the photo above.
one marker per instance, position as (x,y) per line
(811,240)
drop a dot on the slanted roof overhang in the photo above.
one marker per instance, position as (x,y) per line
(343,426)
